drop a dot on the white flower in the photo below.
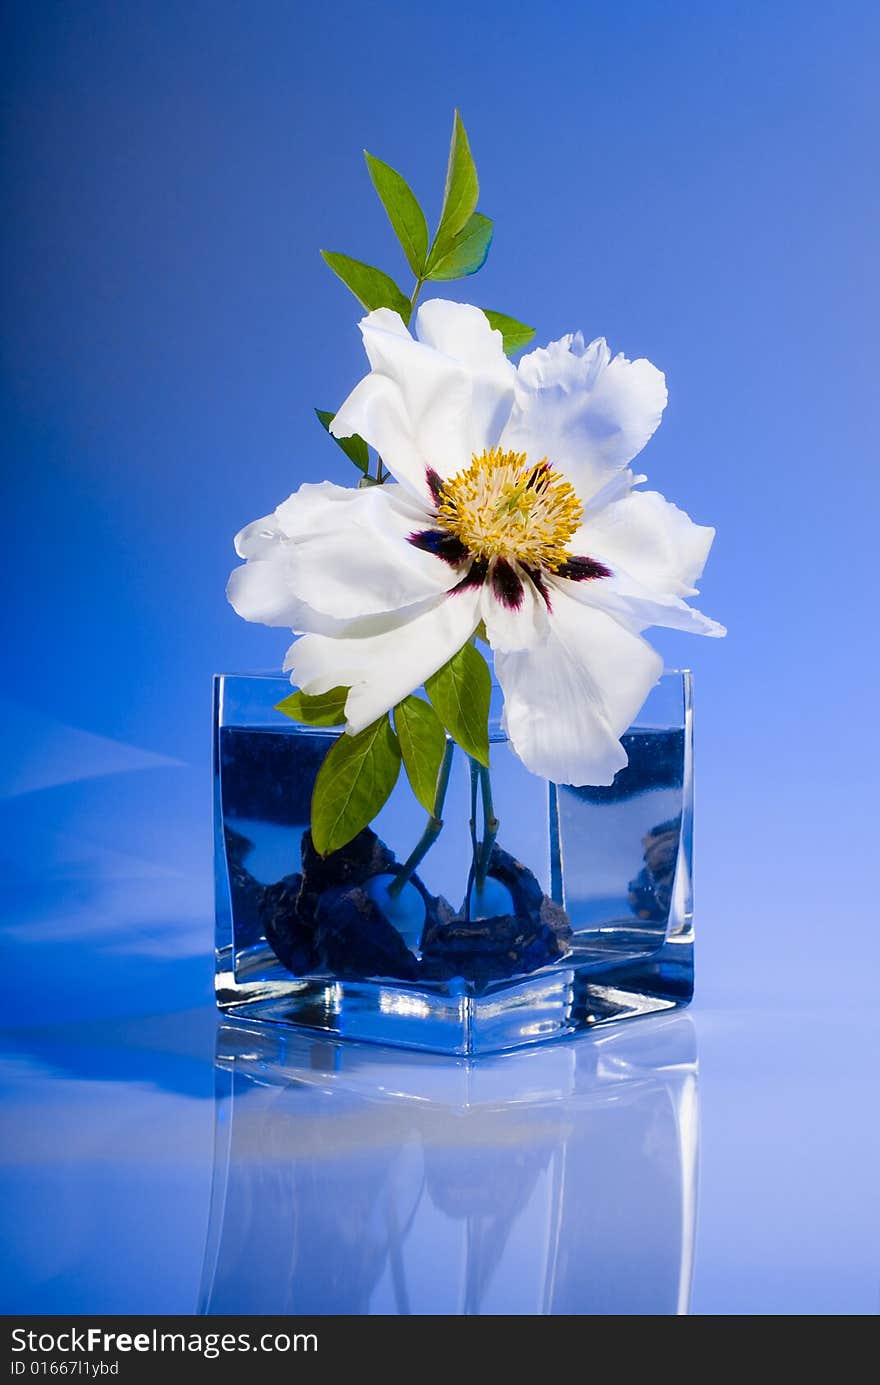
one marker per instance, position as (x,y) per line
(514,506)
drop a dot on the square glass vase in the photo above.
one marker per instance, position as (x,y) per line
(586,917)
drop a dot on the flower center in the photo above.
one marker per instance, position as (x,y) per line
(501,506)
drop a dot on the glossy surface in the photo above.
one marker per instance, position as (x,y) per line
(603,1174)
(390,1182)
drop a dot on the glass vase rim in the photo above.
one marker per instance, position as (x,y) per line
(280,676)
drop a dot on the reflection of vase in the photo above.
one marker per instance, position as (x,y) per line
(367,1181)
(596,884)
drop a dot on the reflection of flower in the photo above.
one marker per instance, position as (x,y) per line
(514,507)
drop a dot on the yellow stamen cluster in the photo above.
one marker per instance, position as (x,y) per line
(503,507)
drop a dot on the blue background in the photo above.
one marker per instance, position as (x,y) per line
(697,183)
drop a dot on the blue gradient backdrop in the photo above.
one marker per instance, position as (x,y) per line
(691,181)
(695,182)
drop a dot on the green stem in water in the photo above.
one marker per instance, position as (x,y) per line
(490,828)
(475,841)
(475,789)
(433,828)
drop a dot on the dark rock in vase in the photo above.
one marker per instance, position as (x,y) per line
(650,893)
(438,911)
(322,919)
(525,891)
(290,935)
(490,949)
(354,864)
(354,939)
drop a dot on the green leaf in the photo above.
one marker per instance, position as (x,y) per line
(370,286)
(460,693)
(354,447)
(354,781)
(320,709)
(406,216)
(422,743)
(466,253)
(516,334)
(462,189)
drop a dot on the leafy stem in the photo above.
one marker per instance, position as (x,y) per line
(475,792)
(459,248)
(433,827)
(490,828)
(481,790)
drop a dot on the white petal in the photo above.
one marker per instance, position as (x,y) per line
(389,321)
(375,409)
(316,623)
(414,407)
(320,507)
(568,702)
(652,539)
(332,558)
(351,554)
(636,607)
(382,669)
(511,626)
(261,591)
(463,332)
(256,540)
(587,414)
(614,489)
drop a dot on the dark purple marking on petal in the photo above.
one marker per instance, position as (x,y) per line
(507,584)
(435,484)
(540,585)
(475,577)
(442,544)
(582,569)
